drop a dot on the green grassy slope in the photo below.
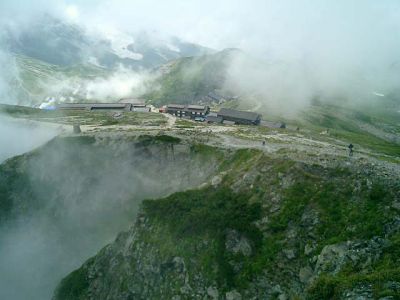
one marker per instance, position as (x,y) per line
(83,117)
(190,79)
(371,126)
(38,80)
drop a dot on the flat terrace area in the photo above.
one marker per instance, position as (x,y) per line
(95,118)
(306,145)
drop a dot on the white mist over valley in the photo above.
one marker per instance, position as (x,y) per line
(199,149)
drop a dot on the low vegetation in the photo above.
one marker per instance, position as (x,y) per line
(84,117)
(351,125)
(322,206)
(208,212)
(190,79)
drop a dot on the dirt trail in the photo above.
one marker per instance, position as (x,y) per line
(293,145)
(299,148)
(171,120)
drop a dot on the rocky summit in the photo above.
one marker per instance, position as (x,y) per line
(272,228)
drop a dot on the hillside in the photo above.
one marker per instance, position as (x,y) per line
(264,227)
(206,150)
(57,59)
(58,42)
(374,125)
(69,198)
(38,80)
(191,79)
(225,215)
(369,122)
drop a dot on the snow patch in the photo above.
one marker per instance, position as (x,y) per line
(94,61)
(160,54)
(120,43)
(49,104)
(173,48)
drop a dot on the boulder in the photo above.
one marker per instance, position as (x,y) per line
(331,258)
(282,297)
(233,295)
(396,205)
(308,248)
(289,253)
(237,243)
(305,274)
(216,180)
(213,292)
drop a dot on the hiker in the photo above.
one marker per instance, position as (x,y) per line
(351,149)
(263,143)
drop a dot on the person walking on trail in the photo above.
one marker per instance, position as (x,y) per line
(351,149)
(263,143)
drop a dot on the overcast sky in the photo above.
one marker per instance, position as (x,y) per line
(293,27)
(350,46)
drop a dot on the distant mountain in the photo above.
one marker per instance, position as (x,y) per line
(192,79)
(56,61)
(38,81)
(64,44)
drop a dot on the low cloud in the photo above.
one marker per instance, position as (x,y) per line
(119,84)
(18,137)
(8,77)
(340,49)
(76,197)
(287,87)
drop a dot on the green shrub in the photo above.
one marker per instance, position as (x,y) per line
(74,286)
(145,140)
(206,211)
(209,212)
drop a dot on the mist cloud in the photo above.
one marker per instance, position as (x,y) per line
(284,29)
(119,84)
(8,75)
(345,49)
(18,137)
(77,195)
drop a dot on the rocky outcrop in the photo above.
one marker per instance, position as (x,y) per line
(67,199)
(294,230)
(237,243)
(131,268)
(358,253)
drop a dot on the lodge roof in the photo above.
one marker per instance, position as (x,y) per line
(189,107)
(238,114)
(175,106)
(214,119)
(90,106)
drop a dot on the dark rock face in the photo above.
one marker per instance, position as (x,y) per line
(132,269)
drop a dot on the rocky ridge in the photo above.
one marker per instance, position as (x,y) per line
(264,228)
